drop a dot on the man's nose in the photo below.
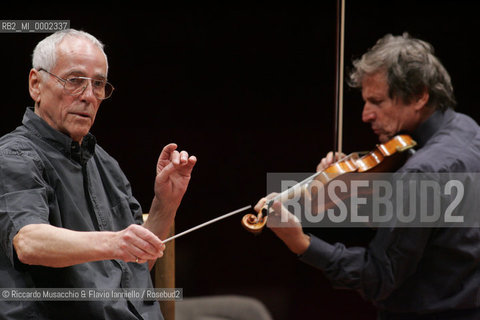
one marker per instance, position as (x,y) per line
(368,115)
(87,93)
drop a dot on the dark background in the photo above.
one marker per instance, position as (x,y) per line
(248,89)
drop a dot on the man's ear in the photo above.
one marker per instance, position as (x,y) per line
(422,99)
(34,85)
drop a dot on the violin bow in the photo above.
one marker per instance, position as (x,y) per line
(338,136)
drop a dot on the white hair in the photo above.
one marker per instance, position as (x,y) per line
(45,53)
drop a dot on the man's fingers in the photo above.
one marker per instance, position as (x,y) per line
(167,151)
(175,157)
(325,162)
(140,244)
(144,248)
(283,218)
(183,157)
(329,160)
(183,169)
(141,255)
(260,204)
(171,160)
(147,240)
(191,161)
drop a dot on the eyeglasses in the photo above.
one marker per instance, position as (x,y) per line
(75,86)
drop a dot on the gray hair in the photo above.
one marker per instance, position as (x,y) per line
(45,53)
(411,68)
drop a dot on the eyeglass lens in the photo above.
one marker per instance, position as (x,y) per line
(77,85)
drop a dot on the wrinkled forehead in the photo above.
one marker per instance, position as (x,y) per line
(81,56)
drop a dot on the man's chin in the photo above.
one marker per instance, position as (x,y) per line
(383,137)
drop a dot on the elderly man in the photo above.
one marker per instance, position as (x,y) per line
(408,273)
(67,213)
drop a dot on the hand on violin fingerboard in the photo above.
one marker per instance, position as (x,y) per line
(288,228)
(328,160)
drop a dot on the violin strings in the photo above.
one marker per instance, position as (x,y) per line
(283,193)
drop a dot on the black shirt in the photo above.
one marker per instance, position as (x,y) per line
(46,178)
(416,270)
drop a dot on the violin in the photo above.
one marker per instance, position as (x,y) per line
(385,157)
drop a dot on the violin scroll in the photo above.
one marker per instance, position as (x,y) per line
(255,223)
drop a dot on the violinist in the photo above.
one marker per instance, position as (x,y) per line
(407,273)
